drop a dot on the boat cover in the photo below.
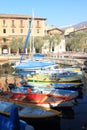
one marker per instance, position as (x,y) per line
(34,65)
(13,122)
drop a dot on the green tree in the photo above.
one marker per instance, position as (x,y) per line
(16,44)
(38,43)
(77,42)
(53,40)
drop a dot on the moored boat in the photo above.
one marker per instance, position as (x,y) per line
(47,90)
(27,111)
(37,99)
(42,78)
(12,121)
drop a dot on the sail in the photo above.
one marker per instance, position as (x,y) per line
(26,41)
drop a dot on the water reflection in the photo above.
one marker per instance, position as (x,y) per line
(79,120)
(46,124)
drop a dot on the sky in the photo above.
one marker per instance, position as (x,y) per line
(58,13)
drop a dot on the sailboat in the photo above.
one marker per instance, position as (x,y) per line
(31,64)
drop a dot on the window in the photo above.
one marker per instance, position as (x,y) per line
(4,22)
(38,23)
(37,30)
(13,31)
(13,23)
(52,49)
(4,30)
(4,39)
(21,23)
(21,31)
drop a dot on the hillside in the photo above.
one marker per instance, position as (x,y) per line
(77,26)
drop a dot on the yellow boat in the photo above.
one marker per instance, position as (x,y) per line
(42,78)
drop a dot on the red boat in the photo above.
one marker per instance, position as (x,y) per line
(39,99)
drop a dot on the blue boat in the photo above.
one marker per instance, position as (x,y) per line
(70,86)
(33,65)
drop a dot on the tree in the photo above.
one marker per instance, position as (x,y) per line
(16,44)
(77,42)
(13,45)
(54,40)
(38,43)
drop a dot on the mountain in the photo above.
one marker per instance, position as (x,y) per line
(76,26)
(80,25)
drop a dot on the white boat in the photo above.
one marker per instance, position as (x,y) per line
(27,111)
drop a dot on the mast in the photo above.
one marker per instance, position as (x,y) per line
(33,30)
(26,41)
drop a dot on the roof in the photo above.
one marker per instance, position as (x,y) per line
(19,16)
(55,29)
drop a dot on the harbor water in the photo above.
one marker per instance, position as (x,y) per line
(72,118)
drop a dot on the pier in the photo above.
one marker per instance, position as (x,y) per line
(62,60)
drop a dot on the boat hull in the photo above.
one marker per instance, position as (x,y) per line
(37,99)
(27,111)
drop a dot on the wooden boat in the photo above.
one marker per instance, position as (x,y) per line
(53,79)
(37,99)
(13,121)
(46,90)
(75,69)
(69,86)
(55,85)
(26,110)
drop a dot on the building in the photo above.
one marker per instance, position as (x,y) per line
(13,25)
(55,31)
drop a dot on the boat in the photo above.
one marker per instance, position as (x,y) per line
(45,78)
(52,85)
(31,64)
(34,65)
(26,111)
(37,99)
(62,85)
(46,90)
(68,86)
(74,69)
(12,121)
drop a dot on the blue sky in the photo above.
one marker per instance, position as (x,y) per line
(58,12)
